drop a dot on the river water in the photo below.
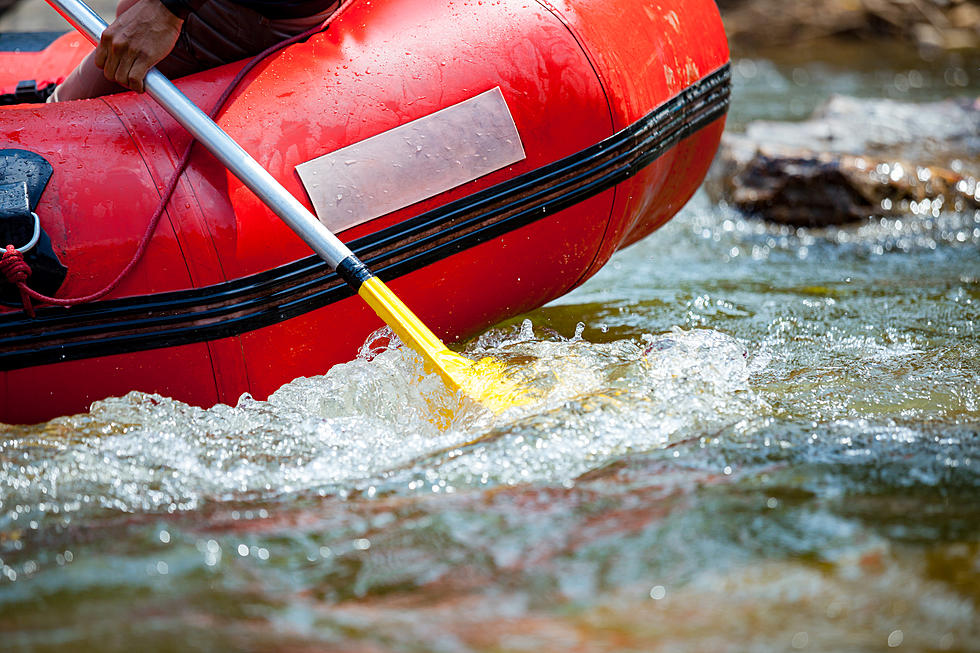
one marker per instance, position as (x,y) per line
(749,438)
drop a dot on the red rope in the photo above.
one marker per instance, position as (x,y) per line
(14,270)
(17,271)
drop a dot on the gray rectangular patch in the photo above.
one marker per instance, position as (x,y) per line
(412,162)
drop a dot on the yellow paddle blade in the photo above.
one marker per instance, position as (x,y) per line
(483,381)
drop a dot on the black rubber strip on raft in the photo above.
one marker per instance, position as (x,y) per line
(236,307)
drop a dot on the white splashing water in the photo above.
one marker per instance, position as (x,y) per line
(367,425)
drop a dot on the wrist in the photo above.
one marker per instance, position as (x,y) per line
(179,8)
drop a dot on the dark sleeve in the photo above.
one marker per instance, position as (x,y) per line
(179,8)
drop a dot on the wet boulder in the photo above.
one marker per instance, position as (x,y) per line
(852,159)
(929,25)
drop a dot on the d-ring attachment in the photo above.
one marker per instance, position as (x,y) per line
(35,237)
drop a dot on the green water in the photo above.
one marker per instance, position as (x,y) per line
(760,439)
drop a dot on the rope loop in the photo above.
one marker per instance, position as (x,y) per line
(16,270)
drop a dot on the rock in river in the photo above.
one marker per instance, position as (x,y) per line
(929,25)
(854,158)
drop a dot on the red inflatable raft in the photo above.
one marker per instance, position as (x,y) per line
(481,157)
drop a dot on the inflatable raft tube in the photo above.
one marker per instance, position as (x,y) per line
(483,158)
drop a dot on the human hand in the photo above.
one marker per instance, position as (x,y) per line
(139,38)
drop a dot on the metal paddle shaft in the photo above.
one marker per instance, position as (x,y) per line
(483,381)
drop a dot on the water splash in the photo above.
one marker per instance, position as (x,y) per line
(366,426)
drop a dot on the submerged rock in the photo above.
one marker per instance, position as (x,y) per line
(853,159)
